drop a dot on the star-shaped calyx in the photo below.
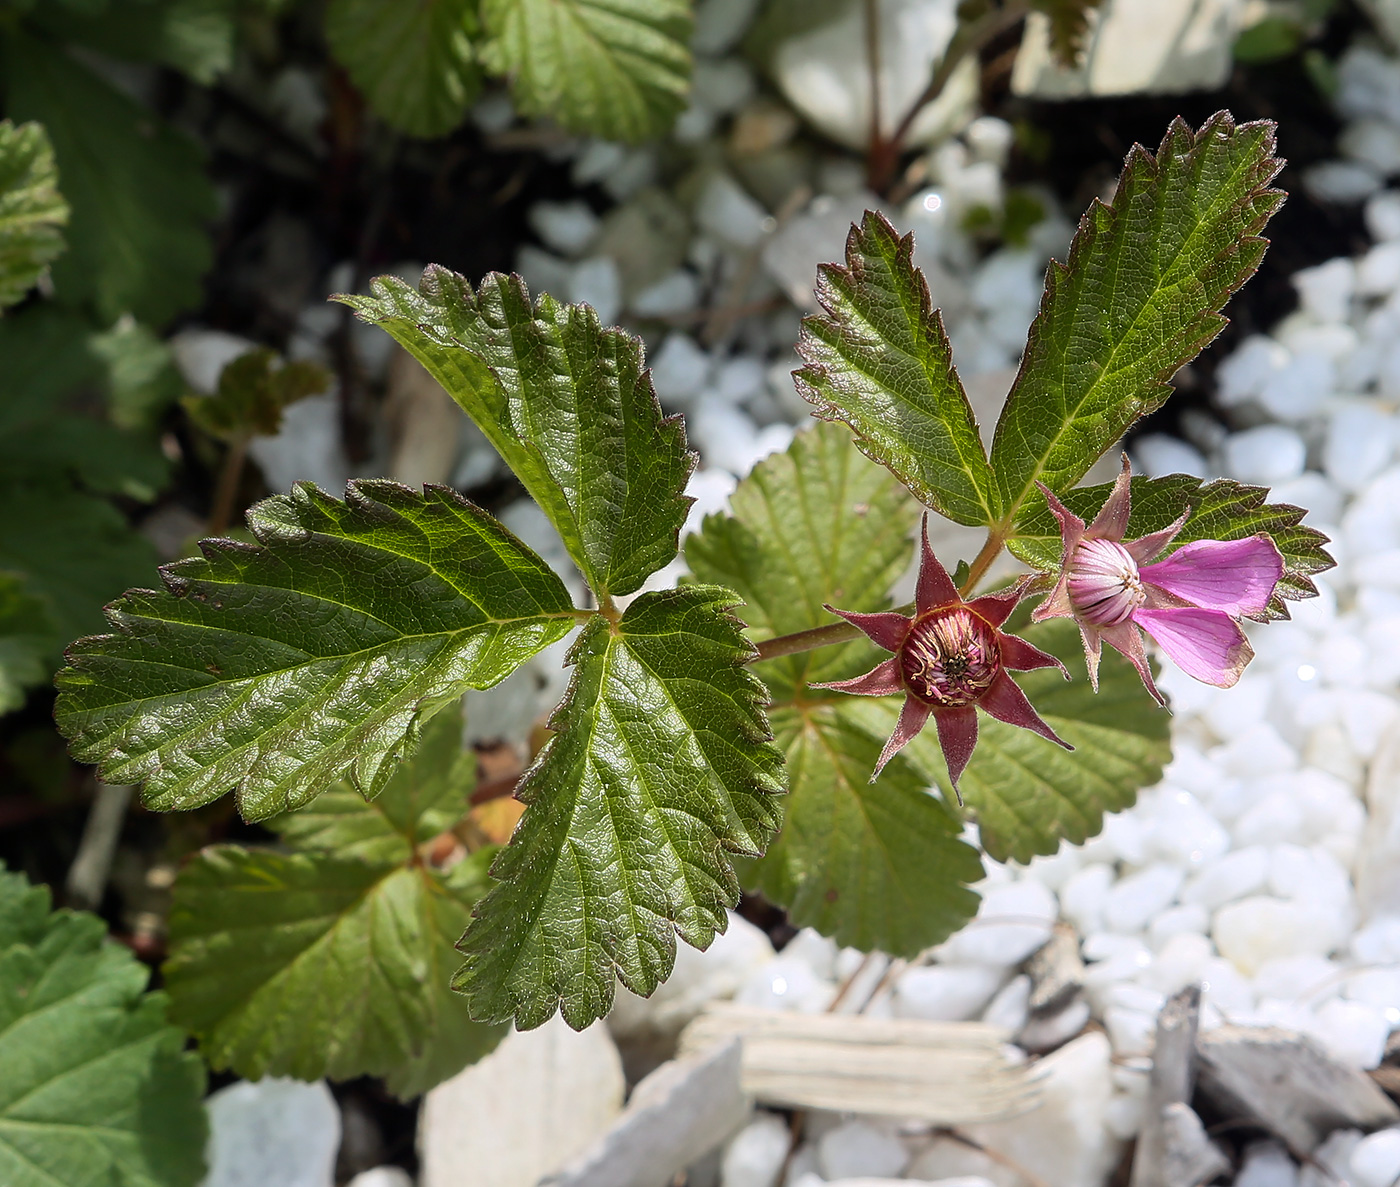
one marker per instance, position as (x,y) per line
(950,657)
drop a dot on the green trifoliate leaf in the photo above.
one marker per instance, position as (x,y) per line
(661,768)
(414,62)
(567,403)
(1027,795)
(1140,296)
(872,865)
(618,69)
(137,239)
(1220,510)
(879,360)
(253,390)
(818,523)
(32,211)
(97,1088)
(422,799)
(273,670)
(314,965)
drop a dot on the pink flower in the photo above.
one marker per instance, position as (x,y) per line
(1190,603)
(950,657)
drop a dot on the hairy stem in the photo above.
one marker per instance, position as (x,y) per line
(996,540)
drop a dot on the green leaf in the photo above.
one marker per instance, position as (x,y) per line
(413,62)
(880,361)
(253,390)
(1027,795)
(274,669)
(26,638)
(872,865)
(193,36)
(1069,25)
(31,209)
(97,1087)
(618,69)
(137,238)
(1140,296)
(314,965)
(569,406)
(818,523)
(1220,510)
(140,376)
(423,798)
(660,767)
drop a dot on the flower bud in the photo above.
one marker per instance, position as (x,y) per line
(1104,585)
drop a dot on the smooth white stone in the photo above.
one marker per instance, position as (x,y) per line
(1354,1032)
(946,992)
(1157,454)
(1130,1031)
(1378,273)
(818,952)
(382,1176)
(1300,872)
(987,940)
(722,87)
(1237,874)
(697,979)
(1374,143)
(1124,1115)
(565,227)
(1225,988)
(815,236)
(740,379)
(1334,1155)
(1010,1008)
(1184,920)
(1124,836)
(1305,978)
(1311,490)
(1325,291)
(1368,717)
(1376,987)
(1179,963)
(755,1156)
(711,490)
(720,23)
(680,369)
(1376,1160)
(1082,899)
(536,1102)
(1297,391)
(1179,830)
(1054,872)
(1378,942)
(1368,84)
(1334,341)
(1065,1139)
(990,139)
(1378,865)
(1360,440)
(1342,182)
(306,448)
(1258,929)
(544,272)
(1128,995)
(1242,375)
(272,1131)
(597,282)
(1264,455)
(675,293)
(202,355)
(786,984)
(1266,1164)
(1136,898)
(1055,1030)
(727,211)
(858,1148)
(1383,215)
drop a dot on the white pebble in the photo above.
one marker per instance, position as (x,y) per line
(1234,876)
(1360,439)
(1325,291)
(1354,1032)
(1260,928)
(726,211)
(1297,391)
(1157,454)
(1130,1031)
(856,1148)
(1179,963)
(1341,182)
(1187,919)
(597,282)
(988,940)
(1010,1008)
(675,293)
(1376,1160)
(720,23)
(1180,831)
(565,227)
(946,992)
(680,369)
(1266,1164)
(786,984)
(1264,455)
(1082,899)
(382,1176)
(1312,491)
(1378,273)
(1379,941)
(1242,375)
(1225,988)
(1383,215)
(1310,978)
(756,1154)
(1374,143)
(1136,898)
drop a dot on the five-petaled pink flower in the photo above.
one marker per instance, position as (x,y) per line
(950,657)
(1190,603)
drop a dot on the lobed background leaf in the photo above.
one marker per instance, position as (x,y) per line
(660,769)
(616,69)
(97,1085)
(1140,296)
(32,211)
(274,669)
(566,402)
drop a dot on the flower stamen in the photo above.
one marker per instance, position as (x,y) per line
(951,657)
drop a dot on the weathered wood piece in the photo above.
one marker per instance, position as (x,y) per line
(1056,972)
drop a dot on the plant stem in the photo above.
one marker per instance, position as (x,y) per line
(227,489)
(996,538)
(967,41)
(879,147)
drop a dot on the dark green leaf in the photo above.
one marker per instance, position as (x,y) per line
(1069,22)
(253,390)
(1028,795)
(140,201)
(31,209)
(1269,39)
(568,404)
(273,670)
(1140,296)
(880,361)
(97,1088)
(423,798)
(618,69)
(819,523)
(1220,510)
(414,62)
(313,965)
(140,376)
(27,637)
(194,36)
(660,768)
(872,865)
